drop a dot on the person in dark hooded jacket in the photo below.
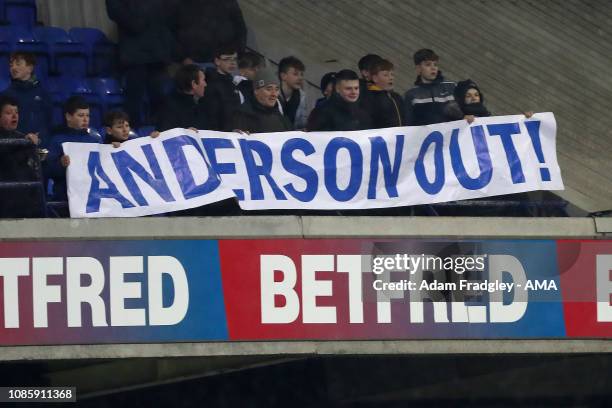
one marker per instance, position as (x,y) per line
(342,111)
(204,26)
(146,48)
(35,107)
(470,99)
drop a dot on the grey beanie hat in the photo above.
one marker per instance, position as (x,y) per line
(265,77)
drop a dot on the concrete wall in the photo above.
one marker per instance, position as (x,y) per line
(303,227)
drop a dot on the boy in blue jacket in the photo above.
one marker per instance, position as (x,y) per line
(76,113)
(35,107)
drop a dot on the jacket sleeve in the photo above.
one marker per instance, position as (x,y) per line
(318,120)
(409,109)
(54,167)
(211,104)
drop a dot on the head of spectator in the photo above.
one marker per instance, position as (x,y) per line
(9,113)
(226,60)
(382,74)
(117,126)
(76,113)
(249,63)
(327,84)
(365,63)
(470,98)
(347,85)
(291,73)
(191,80)
(426,65)
(266,87)
(21,65)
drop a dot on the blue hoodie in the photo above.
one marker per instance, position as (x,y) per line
(35,108)
(54,167)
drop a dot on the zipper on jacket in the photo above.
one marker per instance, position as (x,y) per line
(399,116)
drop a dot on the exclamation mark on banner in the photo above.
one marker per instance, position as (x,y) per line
(533,127)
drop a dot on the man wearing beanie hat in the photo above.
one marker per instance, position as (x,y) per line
(261,115)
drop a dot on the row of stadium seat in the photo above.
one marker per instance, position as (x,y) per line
(76,53)
(102,94)
(18,12)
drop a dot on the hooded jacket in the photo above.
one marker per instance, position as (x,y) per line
(336,114)
(205,25)
(428,103)
(386,108)
(35,107)
(475,109)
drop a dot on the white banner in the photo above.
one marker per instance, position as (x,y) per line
(318,170)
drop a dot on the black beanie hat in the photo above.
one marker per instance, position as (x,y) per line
(328,78)
(462,88)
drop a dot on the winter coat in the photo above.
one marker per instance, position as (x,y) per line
(35,108)
(475,109)
(429,103)
(336,114)
(301,114)
(18,158)
(220,100)
(145,30)
(180,110)
(386,108)
(205,25)
(54,168)
(253,117)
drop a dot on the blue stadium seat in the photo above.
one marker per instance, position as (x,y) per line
(101,52)
(62,88)
(109,91)
(19,12)
(58,95)
(145,130)
(5,81)
(68,58)
(16,38)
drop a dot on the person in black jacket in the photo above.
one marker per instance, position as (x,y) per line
(470,99)
(429,101)
(223,96)
(183,108)
(9,120)
(204,26)
(248,65)
(342,111)
(35,107)
(365,81)
(146,47)
(385,106)
(261,114)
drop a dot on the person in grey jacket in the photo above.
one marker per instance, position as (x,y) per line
(292,96)
(429,100)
